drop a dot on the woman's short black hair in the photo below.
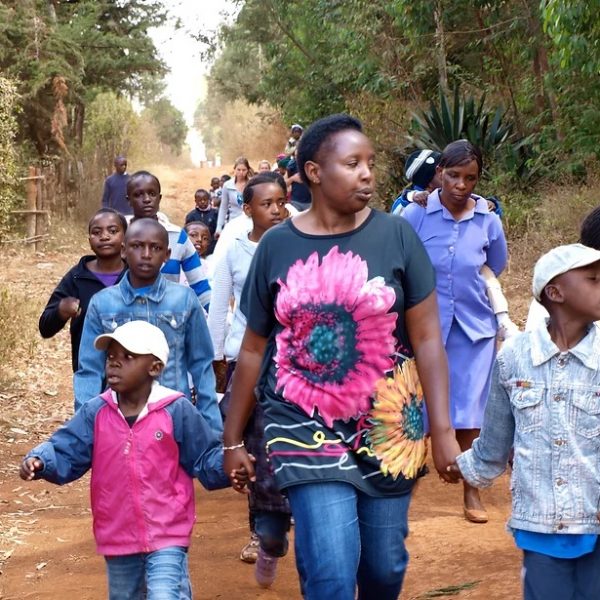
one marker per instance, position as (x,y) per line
(317,135)
(109,211)
(143,174)
(459,153)
(590,229)
(266,177)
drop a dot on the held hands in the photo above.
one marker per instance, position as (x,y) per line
(68,308)
(239,466)
(445,449)
(29,467)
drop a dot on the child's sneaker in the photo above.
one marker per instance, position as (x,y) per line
(249,552)
(265,570)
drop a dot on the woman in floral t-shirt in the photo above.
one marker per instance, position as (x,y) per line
(342,313)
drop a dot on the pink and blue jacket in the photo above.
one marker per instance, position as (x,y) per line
(142,476)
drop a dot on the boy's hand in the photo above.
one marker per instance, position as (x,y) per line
(420,198)
(239,466)
(240,478)
(68,308)
(29,467)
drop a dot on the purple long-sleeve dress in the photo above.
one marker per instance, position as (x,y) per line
(458,250)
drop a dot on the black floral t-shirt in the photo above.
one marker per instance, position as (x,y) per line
(340,393)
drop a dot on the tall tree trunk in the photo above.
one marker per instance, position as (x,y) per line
(440,43)
(545,96)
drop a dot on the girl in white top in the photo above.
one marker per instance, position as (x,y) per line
(265,203)
(231,197)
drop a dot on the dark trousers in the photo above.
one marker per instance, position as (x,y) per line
(548,578)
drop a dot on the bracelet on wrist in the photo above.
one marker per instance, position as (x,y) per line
(234,447)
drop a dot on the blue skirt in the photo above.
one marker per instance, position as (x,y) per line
(470,371)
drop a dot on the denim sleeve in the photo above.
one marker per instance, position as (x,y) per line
(200,449)
(67,455)
(89,377)
(200,354)
(488,457)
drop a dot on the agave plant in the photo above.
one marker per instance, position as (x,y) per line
(463,118)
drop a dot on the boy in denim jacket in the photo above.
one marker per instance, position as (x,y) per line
(145,294)
(545,402)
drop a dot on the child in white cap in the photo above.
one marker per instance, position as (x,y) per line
(545,402)
(145,444)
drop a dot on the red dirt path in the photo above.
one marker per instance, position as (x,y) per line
(46,545)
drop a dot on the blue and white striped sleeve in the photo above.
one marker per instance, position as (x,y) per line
(193,270)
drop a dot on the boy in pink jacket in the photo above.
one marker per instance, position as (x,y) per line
(144,443)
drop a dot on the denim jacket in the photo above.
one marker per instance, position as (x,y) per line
(175,310)
(547,404)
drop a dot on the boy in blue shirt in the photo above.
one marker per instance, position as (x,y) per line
(144,293)
(545,402)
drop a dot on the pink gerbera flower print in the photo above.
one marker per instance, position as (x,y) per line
(337,338)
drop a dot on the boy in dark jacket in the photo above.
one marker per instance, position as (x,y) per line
(70,299)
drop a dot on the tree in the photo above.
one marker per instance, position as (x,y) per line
(169,123)
(111,125)
(8,154)
(93,45)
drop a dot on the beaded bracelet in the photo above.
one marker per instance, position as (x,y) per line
(235,447)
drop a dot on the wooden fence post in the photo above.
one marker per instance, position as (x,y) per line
(32,192)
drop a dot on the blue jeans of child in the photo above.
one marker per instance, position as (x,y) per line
(159,575)
(271,528)
(549,578)
(345,538)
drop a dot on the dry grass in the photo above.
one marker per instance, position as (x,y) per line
(555,220)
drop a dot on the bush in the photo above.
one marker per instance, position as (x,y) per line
(8,154)
(18,337)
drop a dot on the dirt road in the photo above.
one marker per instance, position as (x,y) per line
(46,545)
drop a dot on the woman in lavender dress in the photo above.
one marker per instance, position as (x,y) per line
(460,236)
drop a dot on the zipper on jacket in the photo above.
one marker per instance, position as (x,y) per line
(136,492)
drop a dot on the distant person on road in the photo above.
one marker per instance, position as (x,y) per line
(204,213)
(292,143)
(145,444)
(115,188)
(231,198)
(264,166)
(215,192)
(94,272)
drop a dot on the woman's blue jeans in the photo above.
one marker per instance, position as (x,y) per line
(345,538)
(159,575)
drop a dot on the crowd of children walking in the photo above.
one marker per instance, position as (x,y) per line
(352,341)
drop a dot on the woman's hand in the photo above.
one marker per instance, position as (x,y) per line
(445,449)
(239,467)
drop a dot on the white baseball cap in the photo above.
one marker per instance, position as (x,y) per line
(139,337)
(558,261)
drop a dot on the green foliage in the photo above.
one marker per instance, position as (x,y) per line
(111,125)
(169,123)
(463,118)
(95,45)
(574,28)
(8,155)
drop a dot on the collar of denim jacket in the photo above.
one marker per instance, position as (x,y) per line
(156,293)
(587,350)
